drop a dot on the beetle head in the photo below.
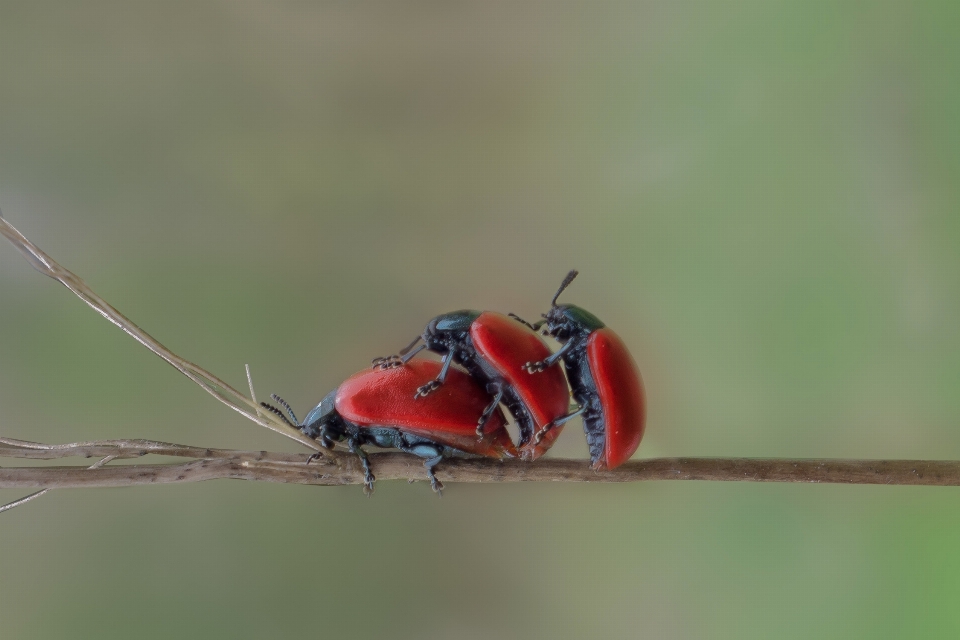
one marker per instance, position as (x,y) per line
(443,328)
(320,416)
(564,320)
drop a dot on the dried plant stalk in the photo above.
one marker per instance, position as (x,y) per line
(339,468)
(209,382)
(344,468)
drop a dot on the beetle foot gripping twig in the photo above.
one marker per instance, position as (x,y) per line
(435,484)
(368,477)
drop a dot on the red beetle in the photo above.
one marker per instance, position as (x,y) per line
(378,407)
(605,380)
(494,348)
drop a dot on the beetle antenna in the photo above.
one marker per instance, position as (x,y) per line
(273,409)
(283,403)
(563,285)
(407,348)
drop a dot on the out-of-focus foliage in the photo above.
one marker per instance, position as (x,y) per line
(762,200)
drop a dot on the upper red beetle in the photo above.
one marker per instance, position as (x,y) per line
(605,380)
(494,349)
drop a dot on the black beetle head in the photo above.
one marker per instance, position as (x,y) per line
(564,320)
(320,415)
(443,328)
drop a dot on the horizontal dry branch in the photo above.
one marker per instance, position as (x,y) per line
(338,468)
(135,448)
(343,468)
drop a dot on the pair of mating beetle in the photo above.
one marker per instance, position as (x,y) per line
(431,410)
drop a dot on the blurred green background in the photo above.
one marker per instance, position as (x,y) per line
(761,198)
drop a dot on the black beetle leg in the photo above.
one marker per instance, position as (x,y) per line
(392,362)
(435,484)
(407,348)
(433,385)
(427,389)
(325,441)
(496,389)
(556,423)
(368,477)
(542,365)
(387,362)
(432,454)
(535,326)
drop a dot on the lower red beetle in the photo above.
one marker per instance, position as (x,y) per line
(378,407)
(494,348)
(603,376)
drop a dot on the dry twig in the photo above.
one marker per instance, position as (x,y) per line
(210,383)
(339,468)
(343,468)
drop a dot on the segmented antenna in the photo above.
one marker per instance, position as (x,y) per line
(283,403)
(273,409)
(563,285)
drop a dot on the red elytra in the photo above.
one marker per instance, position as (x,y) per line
(622,398)
(506,345)
(448,416)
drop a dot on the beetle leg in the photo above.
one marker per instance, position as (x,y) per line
(406,355)
(328,437)
(433,385)
(407,348)
(326,443)
(392,362)
(435,484)
(497,390)
(387,362)
(433,454)
(427,389)
(541,365)
(556,423)
(368,477)
(326,440)
(535,326)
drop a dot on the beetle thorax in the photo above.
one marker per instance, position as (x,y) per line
(566,320)
(443,341)
(559,325)
(449,331)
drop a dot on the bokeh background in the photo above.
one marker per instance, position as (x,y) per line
(761,198)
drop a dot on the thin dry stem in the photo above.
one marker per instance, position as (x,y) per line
(37,494)
(343,468)
(210,383)
(338,468)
